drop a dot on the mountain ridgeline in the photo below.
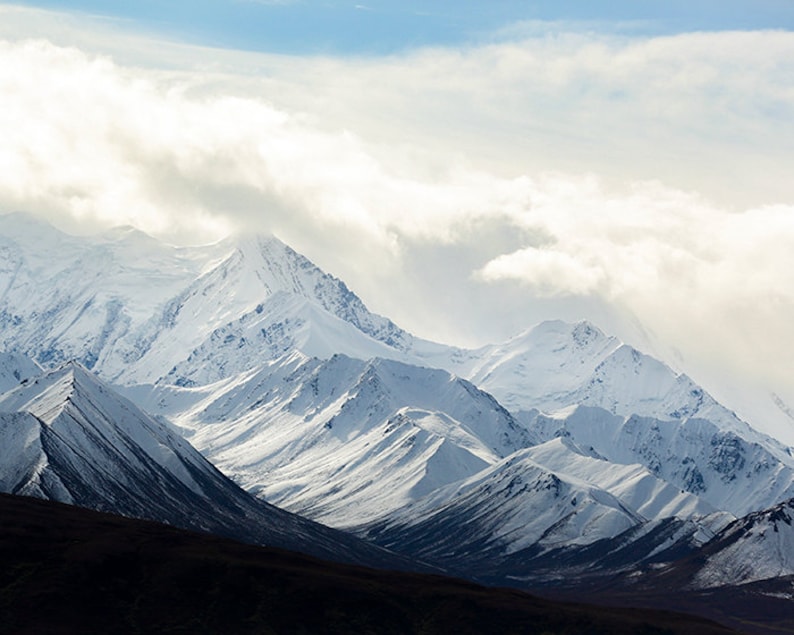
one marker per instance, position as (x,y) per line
(238,389)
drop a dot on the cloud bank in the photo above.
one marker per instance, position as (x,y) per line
(465,193)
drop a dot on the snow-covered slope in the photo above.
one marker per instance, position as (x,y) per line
(757,547)
(280,324)
(82,432)
(632,484)
(546,497)
(280,374)
(65,297)
(260,301)
(557,364)
(67,437)
(538,368)
(733,472)
(135,311)
(341,440)
(132,309)
(16,368)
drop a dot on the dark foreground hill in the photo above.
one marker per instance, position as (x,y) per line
(69,570)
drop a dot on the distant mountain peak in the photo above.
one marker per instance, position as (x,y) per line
(21,219)
(581,330)
(130,235)
(30,230)
(585,332)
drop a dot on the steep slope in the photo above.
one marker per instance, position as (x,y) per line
(66,297)
(259,301)
(545,497)
(220,336)
(537,368)
(280,324)
(743,577)
(67,437)
(640,412)
(557,364)
(135,310)
(341,440)
(759,546)
(734,472)
(131,308)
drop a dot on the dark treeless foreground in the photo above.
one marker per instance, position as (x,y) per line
(68,570)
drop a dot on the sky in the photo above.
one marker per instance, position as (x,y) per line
(386,26)
(468,168)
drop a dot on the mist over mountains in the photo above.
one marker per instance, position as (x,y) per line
(238,389)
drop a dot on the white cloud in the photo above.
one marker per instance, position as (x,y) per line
(549,272)
(717,284)
(463,192)
(92,140)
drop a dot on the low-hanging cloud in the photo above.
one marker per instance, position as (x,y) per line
(652,174)
(717,283)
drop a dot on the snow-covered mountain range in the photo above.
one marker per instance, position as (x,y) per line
(561,445)
(68,437)
(757,547)
(545,496)
(342,440)
(134,310)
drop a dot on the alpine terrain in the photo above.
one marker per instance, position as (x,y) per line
(68,437)
(562,458)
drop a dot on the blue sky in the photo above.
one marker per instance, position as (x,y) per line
(383,27)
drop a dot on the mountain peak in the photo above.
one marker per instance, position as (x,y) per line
(757,547)
(75,440)
(47,395)
(252,245)
(582,331)
(129,235)
(23,219)
(27,228)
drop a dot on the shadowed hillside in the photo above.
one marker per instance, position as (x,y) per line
(68,570)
